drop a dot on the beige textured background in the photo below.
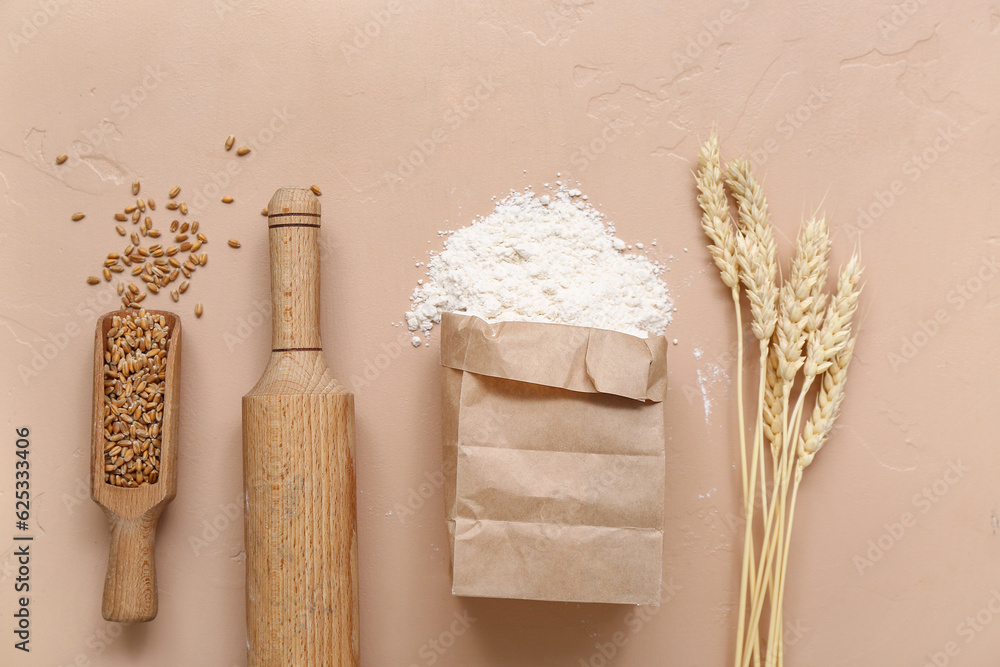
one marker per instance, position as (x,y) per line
(867,107)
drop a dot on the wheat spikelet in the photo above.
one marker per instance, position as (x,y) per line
(826,342)
(756,251)
(716,220)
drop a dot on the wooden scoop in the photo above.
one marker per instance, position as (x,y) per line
(130,585)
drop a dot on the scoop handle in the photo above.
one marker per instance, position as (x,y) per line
(293,220)
(130,585)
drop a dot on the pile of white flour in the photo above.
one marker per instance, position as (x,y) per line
(543,259)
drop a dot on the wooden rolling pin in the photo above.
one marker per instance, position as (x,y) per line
(298,469)
(130,584)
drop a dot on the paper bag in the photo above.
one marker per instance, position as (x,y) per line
(553,460)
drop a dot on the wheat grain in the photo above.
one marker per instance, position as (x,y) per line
(136,352)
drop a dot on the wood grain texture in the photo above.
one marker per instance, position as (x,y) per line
(130,584)
(298,469)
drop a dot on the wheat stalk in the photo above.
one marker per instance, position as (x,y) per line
(799,297)
(831,348)
(797,300)
(717,223)
(795,308)
(756,254)
(816,431)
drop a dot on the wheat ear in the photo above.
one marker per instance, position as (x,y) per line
(827,341)
(716,221)
(758,258)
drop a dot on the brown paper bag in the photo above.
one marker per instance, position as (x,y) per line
(554,461)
